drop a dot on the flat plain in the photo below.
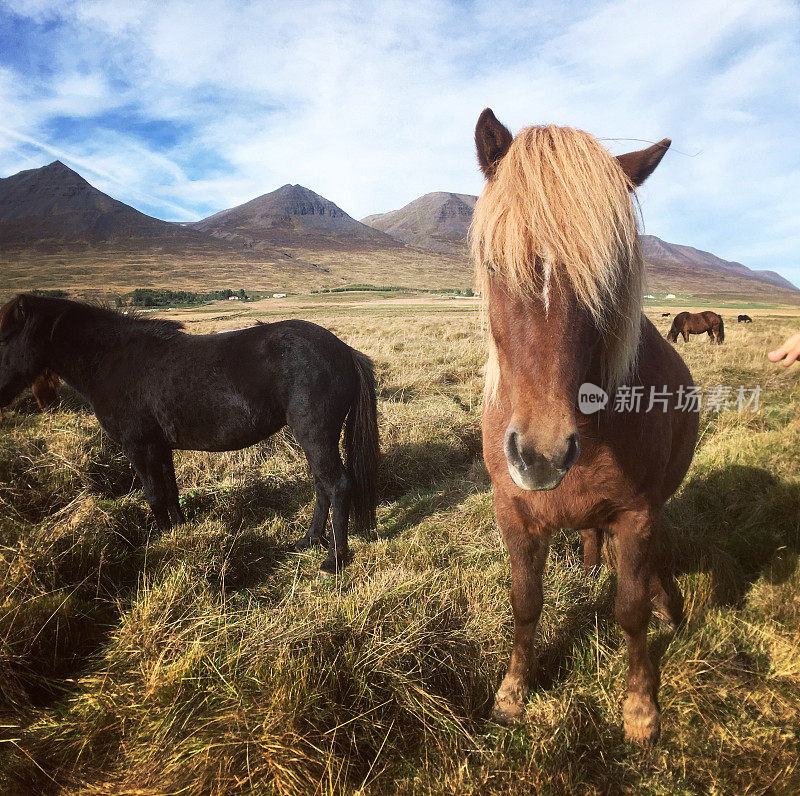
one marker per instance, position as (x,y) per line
(212,659)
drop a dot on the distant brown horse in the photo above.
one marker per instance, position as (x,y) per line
(560,268)
(686,323)
(45,391)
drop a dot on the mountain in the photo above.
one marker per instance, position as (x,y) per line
(53,205)
(58,231)
(438,221)
(660,253)
(293,216)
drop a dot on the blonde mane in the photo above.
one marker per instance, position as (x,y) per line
(559,211)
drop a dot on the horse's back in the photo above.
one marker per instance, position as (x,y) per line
(226,391)
(293,350)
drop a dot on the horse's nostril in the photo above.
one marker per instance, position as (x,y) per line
(573,452)
(512,450)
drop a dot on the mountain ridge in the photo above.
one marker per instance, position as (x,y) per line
(56,202)
(293,215)
(438,220)
(292,235)
(419,223)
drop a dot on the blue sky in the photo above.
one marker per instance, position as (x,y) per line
(185,108)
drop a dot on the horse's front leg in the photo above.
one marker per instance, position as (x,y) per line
(154,466)
(634,532)
(527,550)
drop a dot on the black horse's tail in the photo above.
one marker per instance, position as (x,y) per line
(361,444)
(721,332)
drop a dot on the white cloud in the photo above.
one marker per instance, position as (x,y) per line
(372,105)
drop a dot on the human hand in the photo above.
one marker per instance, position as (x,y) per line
(787,353)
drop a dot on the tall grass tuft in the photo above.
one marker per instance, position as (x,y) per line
(211,659)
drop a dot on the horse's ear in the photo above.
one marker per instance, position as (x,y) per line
(492,140)
(19,312)
(638,166)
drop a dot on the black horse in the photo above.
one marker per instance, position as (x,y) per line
(156,389)
(744,319)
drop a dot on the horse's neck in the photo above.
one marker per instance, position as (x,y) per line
(79,349)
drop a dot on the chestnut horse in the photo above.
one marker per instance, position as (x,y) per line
(560,269)
(45,391)
(687,323)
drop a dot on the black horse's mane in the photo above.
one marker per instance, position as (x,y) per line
(117,320)
(157,327)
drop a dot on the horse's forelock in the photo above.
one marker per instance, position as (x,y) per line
(559,212)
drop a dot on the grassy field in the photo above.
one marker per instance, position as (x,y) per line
(212,660)
(105,273)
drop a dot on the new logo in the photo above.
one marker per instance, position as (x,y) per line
(591,398)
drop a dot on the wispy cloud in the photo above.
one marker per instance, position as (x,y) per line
(183,108)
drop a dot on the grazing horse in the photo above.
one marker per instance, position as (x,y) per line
(45,391)
(744,319)
(686,323)
(559,266)
(156,389)
(665,314)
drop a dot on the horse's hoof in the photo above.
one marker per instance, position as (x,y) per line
(330,567)
(509,708)
(641,720)
(305,542)
(665,621)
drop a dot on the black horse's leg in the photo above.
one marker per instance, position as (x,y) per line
(322,452)
(153,464)
(316,533)
(173,500)
(337,545)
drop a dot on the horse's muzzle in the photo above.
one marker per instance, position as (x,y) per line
(533,471)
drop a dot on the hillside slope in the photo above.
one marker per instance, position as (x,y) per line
(659,252)
(55,205)
(293,216)
(438,221)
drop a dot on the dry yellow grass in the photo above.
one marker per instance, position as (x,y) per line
(211,660)
(97,272)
